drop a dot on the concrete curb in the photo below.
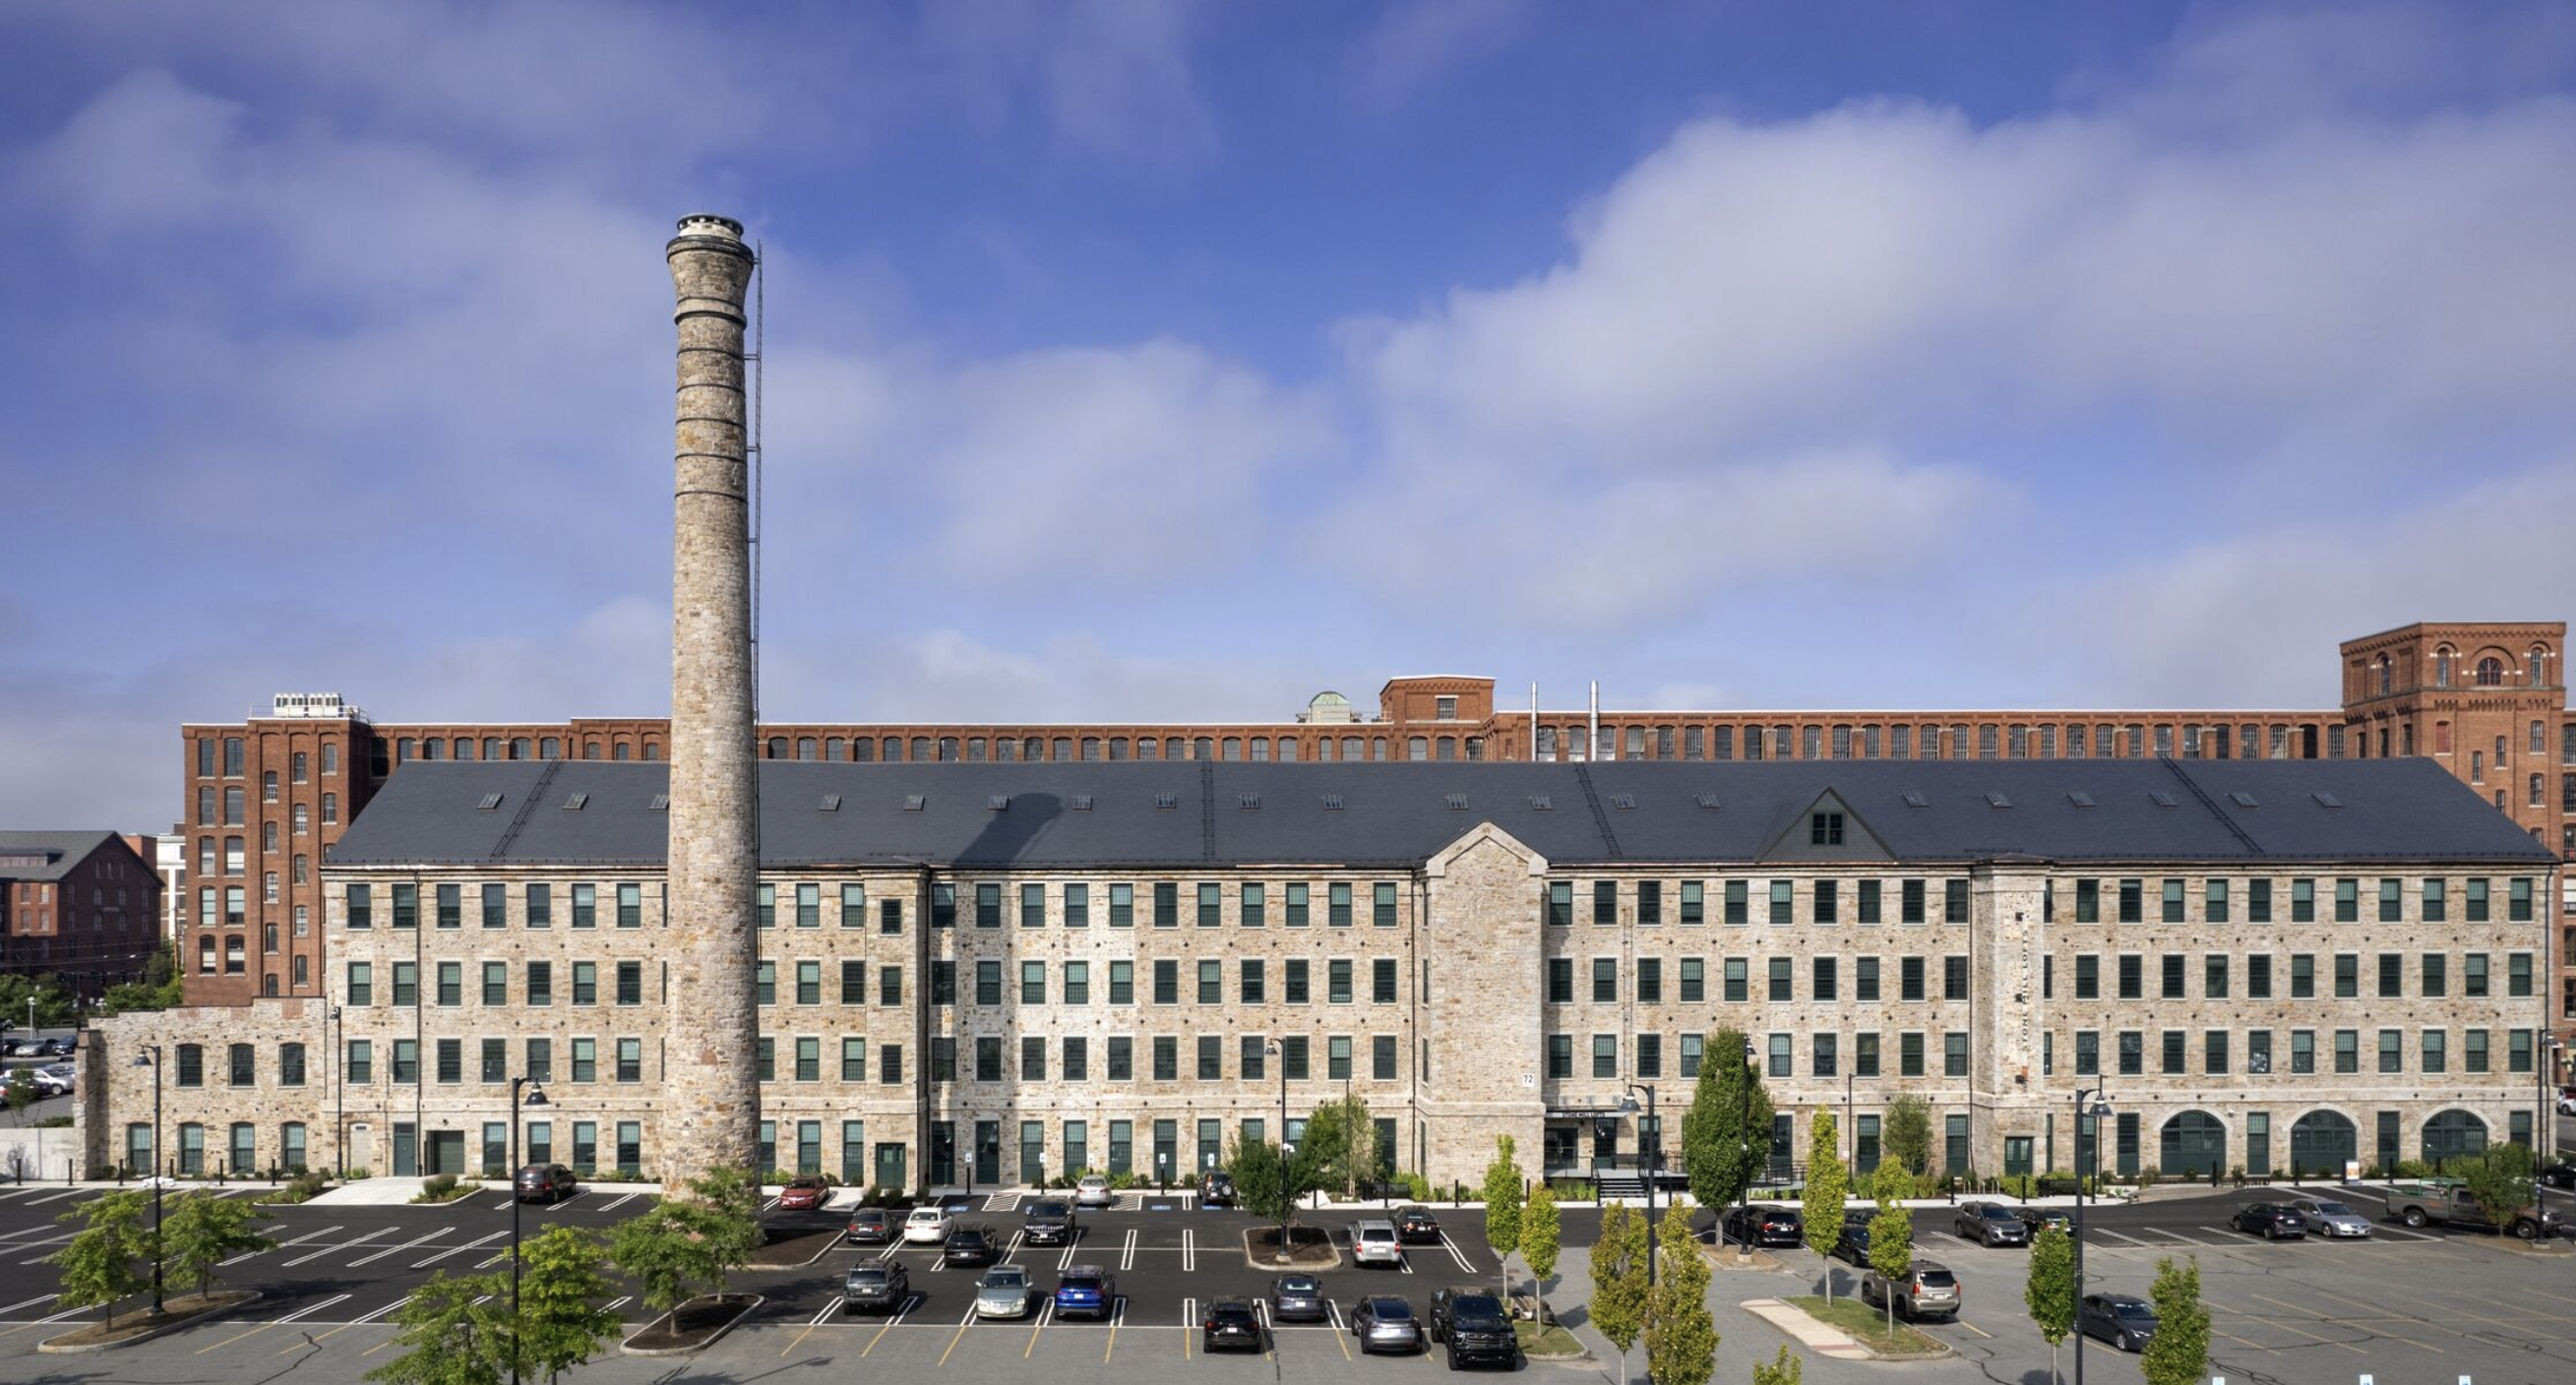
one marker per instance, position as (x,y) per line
(49,1347)
(711,1337)
(832,1240)
(1254,1260)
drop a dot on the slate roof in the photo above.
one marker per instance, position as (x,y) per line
(67,850)
(1099,814)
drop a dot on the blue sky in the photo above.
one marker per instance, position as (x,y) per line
(1149,360)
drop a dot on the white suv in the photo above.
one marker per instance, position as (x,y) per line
(1094,1191)
(1375,1243)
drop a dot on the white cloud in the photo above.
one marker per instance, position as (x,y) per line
(945,674)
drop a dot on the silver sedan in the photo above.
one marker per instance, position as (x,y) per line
(2332,1219)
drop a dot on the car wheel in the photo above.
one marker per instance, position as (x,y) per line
(1454,1363)
(2121,1341)
(2527,1230)
(2414,1216)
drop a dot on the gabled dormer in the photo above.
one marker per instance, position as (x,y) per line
(1828,830)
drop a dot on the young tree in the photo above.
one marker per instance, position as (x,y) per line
(688,1246)
(1828,1183)
(1502,1194)
(1726,1134)
(1340,1148)
(1905,1131)
(1783,1369)
(1681,1336)
(563,1283)
(730,1200)
(1619,1279)
(2051,1290)
(104,1262)
(1541,1234)
(2178,1354)
(2500,1181)
(20,1091)
(1891,1232)
(200,1231)
(455,1331)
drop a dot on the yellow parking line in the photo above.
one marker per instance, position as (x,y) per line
(2373,1313)
(1034,1329)
(389,1341)
(1114,1315)
(962,1324)
(801,1336)
(1972,1327)
(872,1341)
(228,1341)
(2216,1330)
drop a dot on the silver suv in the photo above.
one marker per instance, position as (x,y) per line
(1374,1242)
(1927,1290)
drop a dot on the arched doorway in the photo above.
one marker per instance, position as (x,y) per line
(2192,1143)
(2454,1134)
(2323,1142)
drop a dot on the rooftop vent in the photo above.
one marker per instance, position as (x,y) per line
(1247,800)
(1457,803)
(1996,800)
(490,802)
(1164,802)
(575,803)
(1708,801)
(1623,800)
(1541,802)
(996,803)
(2161,798)
(2244,799)
(1915,800)
(1082,803)
(2080,799)
(1332,803)
(912,803)
(2326,800)
(661,804)
(831,803)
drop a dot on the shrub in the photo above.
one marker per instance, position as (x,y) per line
(54,1123)
(1416,1187)
(2146,1178)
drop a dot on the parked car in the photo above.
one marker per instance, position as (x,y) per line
(547,1183)
(2418,1203)
(2038,1219)
(879,1286)
(54,1048)
(2559,1175)
(1298,1298)
(48,1082)
(1762,1224)
(1230,1322)
(1472,1324)
(2331,1219)
(2124,1320)
(1374,1242)
(1854,1245)
(1927,1290)
(1414,1225)
(1003,1292)
(1094,1191)
(1216,1190)
(1086,1291)
(967,1245)
(926,1226)
(1384,1322)
(803,1194)
(2270,1220)
(1049,1222)
(1990,1224)
(871,1226)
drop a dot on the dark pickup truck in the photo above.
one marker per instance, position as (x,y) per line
(1472,1324)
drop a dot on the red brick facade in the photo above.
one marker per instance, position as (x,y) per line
(83,906)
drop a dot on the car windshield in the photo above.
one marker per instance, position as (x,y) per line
(1936,1279)
(1999,1214)
(1390,1309)
(1006,1279)
(2333,1209)
(1296,1286)
(1476,1306)
(1046,1209)
(925,1214)
(2134,1312)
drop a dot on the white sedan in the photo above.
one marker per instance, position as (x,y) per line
(926,1226)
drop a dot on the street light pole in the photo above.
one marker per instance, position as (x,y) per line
(1744,1128)
(1285,1181)
(339,1094)
(2092,1152)
(2540,1073)
(151,1058)
(536,1097)
(1653,1159)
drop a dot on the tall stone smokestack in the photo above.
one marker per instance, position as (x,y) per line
(712,1076)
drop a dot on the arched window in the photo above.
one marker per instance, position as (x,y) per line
(2384,680)
(433,748)
(2538,660)
(2193,1142)
(519,747)
(2322,1142)
(621,751)
(2454,1134)
(550,748)
(2442,667)
(2441,738)
(2490,672)
(776,749)
(836,748)
(1417,748)
(805,747)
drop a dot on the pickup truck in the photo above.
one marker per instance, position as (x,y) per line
(2416,1204)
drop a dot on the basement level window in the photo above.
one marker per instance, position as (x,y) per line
(1915,800)
(2326,800)
(661,804)
(2244,799)
(2161,798)
(1082,803)
(1541,802)
(2080,799)
(576,803)
(1332,803)
(913,803)
(1457,803)
(1247,801)
(831,803)
(1164,803)
(490,802)
(997,803)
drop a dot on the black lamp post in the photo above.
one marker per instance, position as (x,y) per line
(150,1057)
(2092,1149)
(339,1056)
(2540,1141)
(536,1097)
(1653,1158)
(1286,1182)
(1744,1127)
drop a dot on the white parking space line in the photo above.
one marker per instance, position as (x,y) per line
(615,1203)
(374,1313)
(618,1302)
(308,1237)
(48,1255)
(397,1250)
(2176,1239)
(458,1250)
(2402,1234)
(1127,1252)
(558,1203)
(1064,1261)
(1011,1252)
(1189,1251)
(1463,1262)
(303,1313)
(824,1314)
(1334,1311)
(910,1302)
(53,1197)
(2221,1231)
(363,1238)
(891,1248)
(29,1303)
(2114,1235)
(769,1204)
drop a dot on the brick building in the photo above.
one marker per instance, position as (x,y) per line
(996,972)
(83,906)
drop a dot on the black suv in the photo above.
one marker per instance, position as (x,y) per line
(1472,1324)
(1768,1226)
(2271,1221)
(1415,1226)
(1216,1190)
(548,1183)
(967,1245)
(1050,1223)
(1230,1322)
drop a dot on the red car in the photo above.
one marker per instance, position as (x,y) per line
(803,1195)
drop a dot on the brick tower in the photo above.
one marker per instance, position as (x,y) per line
(713,1086)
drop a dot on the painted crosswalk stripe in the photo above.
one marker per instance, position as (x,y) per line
(615,1203)
(29,1303)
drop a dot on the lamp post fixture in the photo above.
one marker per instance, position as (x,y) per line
(1286,1182)
(1653,1159)
(536,1097)
(1744,1127)
(2099,1111)
(150,1057)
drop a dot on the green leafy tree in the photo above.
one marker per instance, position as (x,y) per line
(1261,1179)
(1828,1183)
(20,1092)
(1726,1134)
(1340,1148)
(690,1245)
(1681,1336)
(455,1330)
(1905,1131)
(1541,1234)
(200,1231)
(54,1009)
(1619,1279)
(2500,1182)
(2178,1354)
(1502,1194)
(2050,1293)
(158,990)
(563,1283)
(1783,1369)
(1891,1232)
(107,1260)
(730,1198)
